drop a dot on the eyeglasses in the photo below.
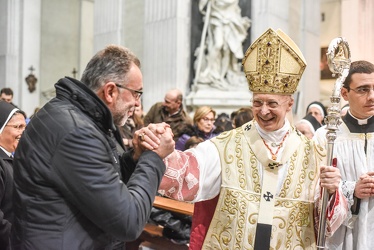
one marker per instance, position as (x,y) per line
(270,104)
(17,126)
(364,90)
(206,119)
(136,93)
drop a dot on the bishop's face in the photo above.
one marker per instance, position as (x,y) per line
(270,110)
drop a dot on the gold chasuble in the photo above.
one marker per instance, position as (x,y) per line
(250,201)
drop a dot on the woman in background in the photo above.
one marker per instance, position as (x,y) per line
(318,110)
(203,127)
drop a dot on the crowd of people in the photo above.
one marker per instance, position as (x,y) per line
(84,171)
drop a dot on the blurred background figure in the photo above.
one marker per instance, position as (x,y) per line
(223,123)
(203,127)
(170,111)
(35,111)
(241,117)
(193,142)
(318,110)
(133,123)
(344,110)
(139,111)
(12,125)
(6,94)
(308,126)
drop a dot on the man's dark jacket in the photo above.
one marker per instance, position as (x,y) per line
(70,190)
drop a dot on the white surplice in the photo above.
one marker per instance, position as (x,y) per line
(349,149)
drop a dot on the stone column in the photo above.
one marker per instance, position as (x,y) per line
(133,27)
(107,23)
(20,49)
(357,26)
(86,35)
(10,13)
(166,56)
(30,54)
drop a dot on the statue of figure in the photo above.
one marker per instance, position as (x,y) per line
(341,54)
(224,31)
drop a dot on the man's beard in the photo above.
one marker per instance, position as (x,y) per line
(120,113)
(120,121)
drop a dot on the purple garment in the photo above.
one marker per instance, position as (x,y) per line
(180,144)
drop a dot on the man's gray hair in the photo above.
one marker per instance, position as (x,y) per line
(109,65)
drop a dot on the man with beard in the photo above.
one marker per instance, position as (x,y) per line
(75,188)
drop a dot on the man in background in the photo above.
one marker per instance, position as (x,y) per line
(169,111)
(6,94)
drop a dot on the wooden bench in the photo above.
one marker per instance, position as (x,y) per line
(173,205)
(152,234)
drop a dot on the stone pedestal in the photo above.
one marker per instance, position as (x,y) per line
(221,101)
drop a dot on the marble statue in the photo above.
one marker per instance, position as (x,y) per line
(218,63)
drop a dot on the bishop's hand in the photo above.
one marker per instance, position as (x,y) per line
(330,178)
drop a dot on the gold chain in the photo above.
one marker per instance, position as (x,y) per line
(274,155)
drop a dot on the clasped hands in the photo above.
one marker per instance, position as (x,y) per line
(156,137)
(365,186)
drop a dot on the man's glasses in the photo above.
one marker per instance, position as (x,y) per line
(364,90)
(270,104)
(17,126)
(136,93)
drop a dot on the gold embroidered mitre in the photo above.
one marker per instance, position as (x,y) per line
(273,64)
